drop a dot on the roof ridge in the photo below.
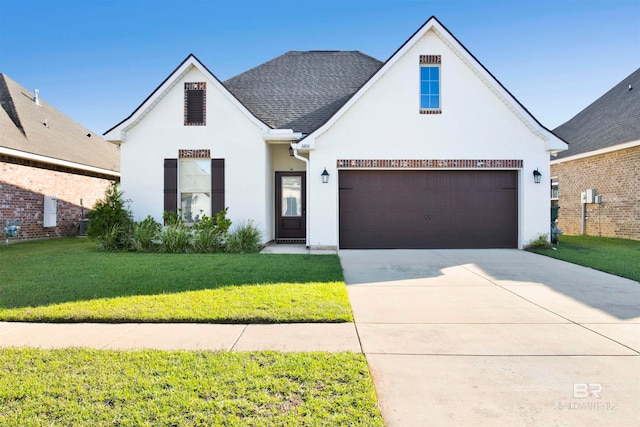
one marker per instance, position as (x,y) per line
(6,100)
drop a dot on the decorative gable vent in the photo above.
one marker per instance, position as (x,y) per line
(195,104)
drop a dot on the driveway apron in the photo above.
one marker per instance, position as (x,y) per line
(495,337)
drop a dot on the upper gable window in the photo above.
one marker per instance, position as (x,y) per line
(430,102)
(195,104)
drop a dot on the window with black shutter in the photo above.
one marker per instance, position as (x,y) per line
(195,104)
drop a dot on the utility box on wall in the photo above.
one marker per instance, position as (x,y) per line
(50,205)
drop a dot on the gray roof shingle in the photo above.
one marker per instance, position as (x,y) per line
(45,131)
(612,119)
(301,90)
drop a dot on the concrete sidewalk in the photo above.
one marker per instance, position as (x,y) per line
(296,337)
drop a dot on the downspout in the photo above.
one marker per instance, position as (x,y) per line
(306,189)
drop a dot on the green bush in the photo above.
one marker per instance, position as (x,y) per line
(208,241)
(111,240)
(175,239)
(113,227)
(172,218)
(245,238)
(110,222)
(542,242)
(146,235)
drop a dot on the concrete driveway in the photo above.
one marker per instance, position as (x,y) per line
(496,337)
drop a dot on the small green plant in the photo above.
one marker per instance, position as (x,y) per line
(210,234)
(145,235)
(111,240)
(205,223)
(175,239)
(172,218)
(222,221)
(542,242)
(208,241)
(108,216)
(246,238)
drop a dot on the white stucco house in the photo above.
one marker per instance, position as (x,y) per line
(339,150)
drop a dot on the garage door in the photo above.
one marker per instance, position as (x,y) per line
(428,209)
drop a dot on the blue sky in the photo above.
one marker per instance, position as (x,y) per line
(97,60)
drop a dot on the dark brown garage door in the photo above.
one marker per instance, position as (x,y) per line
(428,209)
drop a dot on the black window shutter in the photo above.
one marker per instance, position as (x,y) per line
(217,186)
(171,185)
(195,106)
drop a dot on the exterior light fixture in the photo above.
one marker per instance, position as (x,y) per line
(290,151)
(325,176)
(537,176)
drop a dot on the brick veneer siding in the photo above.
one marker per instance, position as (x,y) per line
(616,177)
(22,191)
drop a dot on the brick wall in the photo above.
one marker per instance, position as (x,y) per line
(22,191)
(616,177)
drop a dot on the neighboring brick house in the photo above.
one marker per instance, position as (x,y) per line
(604,155)
(44,153)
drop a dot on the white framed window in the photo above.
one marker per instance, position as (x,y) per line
(430,88)
(194,183)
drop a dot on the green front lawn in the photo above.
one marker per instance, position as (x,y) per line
(616,256)
(69,280)
(155,388)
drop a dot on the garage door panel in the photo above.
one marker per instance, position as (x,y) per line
(428,209)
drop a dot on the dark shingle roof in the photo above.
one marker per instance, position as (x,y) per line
(612,119)
(302,90)
(43,130)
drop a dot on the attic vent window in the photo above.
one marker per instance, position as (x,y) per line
(430,84)
(195,104)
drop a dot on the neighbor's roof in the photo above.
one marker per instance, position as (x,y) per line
(42,130)
(612,119)
(301,90)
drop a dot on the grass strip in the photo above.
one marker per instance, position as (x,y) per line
(158,388)
(616,256)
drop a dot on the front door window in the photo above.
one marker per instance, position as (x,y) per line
(291,196)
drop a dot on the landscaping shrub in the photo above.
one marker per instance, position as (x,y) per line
(175,238)
(541,242)
(208,241)
(110,222)
(210,234)
(113,227)
(172,218)
(146,235)
(245,238)
(112,239)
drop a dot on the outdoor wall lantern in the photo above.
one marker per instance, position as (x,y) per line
(325,176)
(290,151)
(537,176)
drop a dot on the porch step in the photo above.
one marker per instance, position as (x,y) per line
(291,241)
